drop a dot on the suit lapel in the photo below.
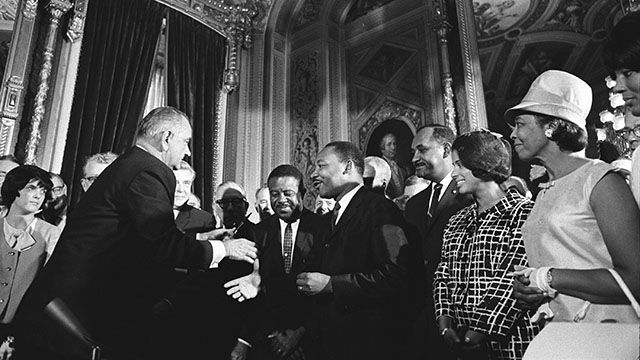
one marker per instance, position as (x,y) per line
(304,241)
(350,211)
(447,198)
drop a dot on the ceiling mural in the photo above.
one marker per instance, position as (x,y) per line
(495,17)
(518,40)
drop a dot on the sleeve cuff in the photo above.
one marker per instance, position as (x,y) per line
(244,342)
(218,253)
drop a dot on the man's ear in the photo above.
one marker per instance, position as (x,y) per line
(349,167)
(164,139)
(447,150)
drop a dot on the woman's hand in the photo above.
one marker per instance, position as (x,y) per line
(528,297)
(448,332)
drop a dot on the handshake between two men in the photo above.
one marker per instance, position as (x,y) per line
(248,286)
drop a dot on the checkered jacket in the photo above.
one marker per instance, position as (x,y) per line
(471,283)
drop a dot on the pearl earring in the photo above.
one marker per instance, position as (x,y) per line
(548,133)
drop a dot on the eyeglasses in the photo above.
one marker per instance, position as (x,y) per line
(58,189)
(234,202)
(627,131)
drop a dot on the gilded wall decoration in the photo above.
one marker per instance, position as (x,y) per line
(309,13)
(8,9)
(385,63)
(363,7)
(495,17)
(305,105)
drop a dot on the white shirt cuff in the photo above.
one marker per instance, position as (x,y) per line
(244,342)
(218,253)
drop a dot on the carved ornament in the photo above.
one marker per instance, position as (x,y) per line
(388,110)
(76,22)
(30,9)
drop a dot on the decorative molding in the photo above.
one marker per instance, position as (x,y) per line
(476,113)
(56,9)
(76,22)
(442,27)
(13,94)
(30,9)
(9,10)
(388,110)
(305,112)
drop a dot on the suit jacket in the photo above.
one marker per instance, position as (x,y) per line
(117,248)
(430,232)
(366,257)
(193,220)
(284,307)
(208,321)
(426,239)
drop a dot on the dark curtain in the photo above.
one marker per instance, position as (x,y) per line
(118,51)
(195,66)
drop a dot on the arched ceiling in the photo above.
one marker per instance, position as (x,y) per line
(519,39)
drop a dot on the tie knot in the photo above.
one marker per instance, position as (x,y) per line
(336,208)
(437,187)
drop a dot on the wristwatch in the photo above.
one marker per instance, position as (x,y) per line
(444,331)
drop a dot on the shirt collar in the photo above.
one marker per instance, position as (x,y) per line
(346,199)
(445,183)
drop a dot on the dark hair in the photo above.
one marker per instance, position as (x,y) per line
(285,170)
(487,155)
(347,151)
(19,177)
(441,133)
(11,158)
(621,50)
(567,135)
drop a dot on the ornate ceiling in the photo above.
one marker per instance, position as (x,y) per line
(519,39)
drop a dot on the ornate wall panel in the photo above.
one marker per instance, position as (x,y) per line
(305,106)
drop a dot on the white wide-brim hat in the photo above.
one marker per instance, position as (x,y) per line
(556,93)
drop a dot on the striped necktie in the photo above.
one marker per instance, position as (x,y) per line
(288,248)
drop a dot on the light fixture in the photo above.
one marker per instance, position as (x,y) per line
(628,6)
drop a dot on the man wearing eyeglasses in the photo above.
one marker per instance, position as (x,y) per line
(94,166)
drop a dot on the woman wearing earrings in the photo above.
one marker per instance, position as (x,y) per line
(482,244)
(584,222)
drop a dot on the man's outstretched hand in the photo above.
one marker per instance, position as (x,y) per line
(246,287)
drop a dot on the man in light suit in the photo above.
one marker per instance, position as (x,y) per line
(285,252)
(117,248)
(428,212)
(360,282)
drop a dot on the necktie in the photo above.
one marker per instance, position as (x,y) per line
(434,199)
(334,216)
(288,248)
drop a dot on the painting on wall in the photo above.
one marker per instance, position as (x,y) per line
(8,9)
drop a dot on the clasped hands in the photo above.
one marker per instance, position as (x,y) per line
(312,283)
(525,287)
(472,340)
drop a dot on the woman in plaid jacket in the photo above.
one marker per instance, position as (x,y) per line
(482,243)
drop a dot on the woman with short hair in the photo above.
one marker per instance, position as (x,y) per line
(482,244)
(584,220)
(26,242)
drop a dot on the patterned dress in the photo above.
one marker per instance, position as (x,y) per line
(471,284)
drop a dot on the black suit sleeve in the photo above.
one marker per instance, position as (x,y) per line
(149,205)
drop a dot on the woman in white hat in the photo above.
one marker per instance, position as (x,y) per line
(584,220)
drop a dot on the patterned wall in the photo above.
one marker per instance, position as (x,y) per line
(305,105)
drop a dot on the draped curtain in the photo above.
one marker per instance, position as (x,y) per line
(116,59)
(195,62)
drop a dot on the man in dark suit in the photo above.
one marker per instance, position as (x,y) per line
(428,212)
(291,234)
(118,247)
(360,284)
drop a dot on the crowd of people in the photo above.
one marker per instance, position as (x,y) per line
(457,261)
